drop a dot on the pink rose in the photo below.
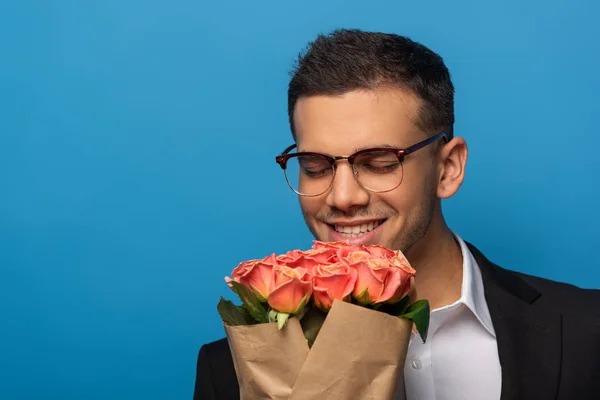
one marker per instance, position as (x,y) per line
(309,258)
(297,258)
(324,255)
(318,245)
(256,275)
(332,282)
(404,272)
(378,251)
(292,289)
(292,258)
(381,273)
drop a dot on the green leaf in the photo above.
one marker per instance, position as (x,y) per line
(233,315)
(305,308)
(363,297)
(251,302)
(272,316)
(258,296)
(396,309)
(302,304)
(418,312)
(282,319)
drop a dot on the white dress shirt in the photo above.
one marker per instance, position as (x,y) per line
(459,360)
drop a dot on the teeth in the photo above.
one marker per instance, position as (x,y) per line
(356,230)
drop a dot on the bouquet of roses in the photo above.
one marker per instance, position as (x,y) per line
(331,322)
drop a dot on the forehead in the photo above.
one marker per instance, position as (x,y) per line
(341,124)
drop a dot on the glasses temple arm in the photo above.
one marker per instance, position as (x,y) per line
(425,142)
(288,149)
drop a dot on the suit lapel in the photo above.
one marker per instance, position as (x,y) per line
(528,337)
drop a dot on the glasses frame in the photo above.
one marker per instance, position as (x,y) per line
(401,153)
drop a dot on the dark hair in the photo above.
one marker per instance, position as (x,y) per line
(349,59)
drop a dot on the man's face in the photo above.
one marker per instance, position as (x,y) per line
(340,125)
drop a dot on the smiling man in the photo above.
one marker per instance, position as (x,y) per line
(374,155)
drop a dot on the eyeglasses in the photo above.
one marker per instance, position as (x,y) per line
(375,169)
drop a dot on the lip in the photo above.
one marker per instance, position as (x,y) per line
(355,222)
(371,237)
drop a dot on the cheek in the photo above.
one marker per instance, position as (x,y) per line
(310,206)
(412,195)
(403,200)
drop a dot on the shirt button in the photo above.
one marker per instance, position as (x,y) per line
(416,363)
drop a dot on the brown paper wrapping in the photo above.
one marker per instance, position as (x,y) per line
(267,361)
(358,354)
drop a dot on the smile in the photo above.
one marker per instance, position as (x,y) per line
(356,230)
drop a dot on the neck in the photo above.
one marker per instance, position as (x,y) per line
(437,258)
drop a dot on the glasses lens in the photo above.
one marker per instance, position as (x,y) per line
(309,175)
(379,171)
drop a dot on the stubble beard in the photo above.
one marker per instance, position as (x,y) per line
(416,226)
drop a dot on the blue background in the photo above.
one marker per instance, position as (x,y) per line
(128,189)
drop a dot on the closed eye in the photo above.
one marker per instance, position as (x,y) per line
(382,167)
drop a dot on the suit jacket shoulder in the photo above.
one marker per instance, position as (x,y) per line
(548,334)
(529,287)
(579,311)
(565,293)
(215,374)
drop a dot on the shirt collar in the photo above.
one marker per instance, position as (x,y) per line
(472,292)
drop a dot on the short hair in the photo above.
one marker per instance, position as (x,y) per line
(351,59)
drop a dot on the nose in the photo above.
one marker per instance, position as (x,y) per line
(346,193)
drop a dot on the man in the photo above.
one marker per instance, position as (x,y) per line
(372,117)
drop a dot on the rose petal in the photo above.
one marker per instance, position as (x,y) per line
(321,298)
(400,261)
(368,279)
(379,251)
(328,245)
(228,281)
(259,279)
(284,274)
(288,297)
(402,291)
(391,285)
(336,285)
(291,259)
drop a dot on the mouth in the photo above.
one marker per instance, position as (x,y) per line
(356,230)
(359,232)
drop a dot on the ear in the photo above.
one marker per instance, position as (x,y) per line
(452,163)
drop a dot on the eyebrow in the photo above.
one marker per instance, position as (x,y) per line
(385,145)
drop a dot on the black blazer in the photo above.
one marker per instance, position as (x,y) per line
(548,336)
